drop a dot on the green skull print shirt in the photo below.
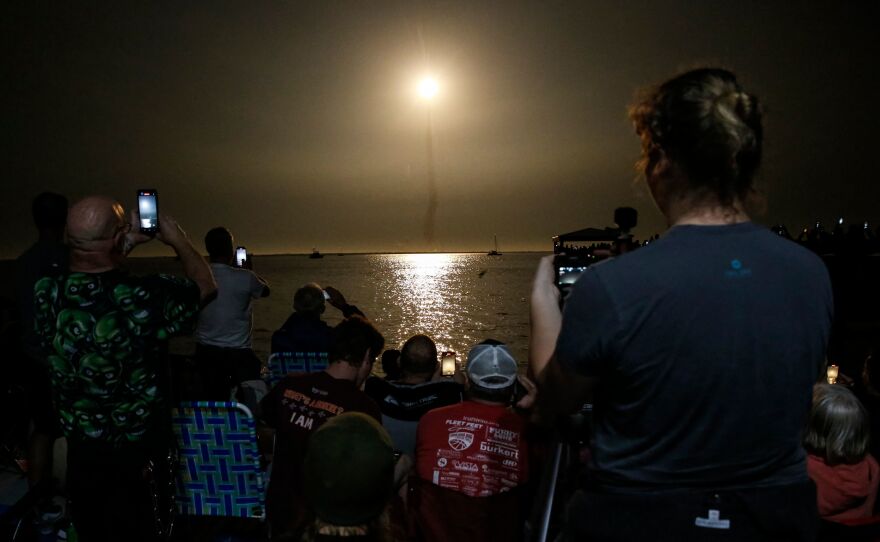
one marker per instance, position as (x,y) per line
(102,334)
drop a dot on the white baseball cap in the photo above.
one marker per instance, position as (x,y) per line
(491,366)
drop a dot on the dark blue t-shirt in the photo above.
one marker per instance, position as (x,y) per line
(705,346)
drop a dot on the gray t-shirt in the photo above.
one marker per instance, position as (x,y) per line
(227,320)
(705,346)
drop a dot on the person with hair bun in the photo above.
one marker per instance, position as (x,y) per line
(845,474)
(698,351)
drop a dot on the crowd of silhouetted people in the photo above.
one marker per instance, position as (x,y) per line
(856,239)
(412,454)
(711,411)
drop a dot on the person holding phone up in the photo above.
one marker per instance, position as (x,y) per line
(103,332)
(224,357)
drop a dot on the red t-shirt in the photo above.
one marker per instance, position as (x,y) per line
(473,448)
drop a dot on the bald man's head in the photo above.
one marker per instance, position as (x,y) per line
(418,356)
(92,220)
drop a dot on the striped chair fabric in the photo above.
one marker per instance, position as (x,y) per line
(219,469)
(283,363)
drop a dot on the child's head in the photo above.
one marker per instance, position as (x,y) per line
(838,428)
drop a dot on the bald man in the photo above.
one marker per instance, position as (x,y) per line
(103,332)
(419,389)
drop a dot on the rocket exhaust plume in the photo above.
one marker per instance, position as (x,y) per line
(431,212)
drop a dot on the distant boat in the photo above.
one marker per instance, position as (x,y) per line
(315,254)
(495,251)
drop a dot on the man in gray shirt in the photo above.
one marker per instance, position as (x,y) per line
(224,357)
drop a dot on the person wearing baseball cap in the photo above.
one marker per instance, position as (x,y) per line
(473,450)
(349,478)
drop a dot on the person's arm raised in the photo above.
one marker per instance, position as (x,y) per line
(546,318)
(561,391)
(194,265)
(338,300)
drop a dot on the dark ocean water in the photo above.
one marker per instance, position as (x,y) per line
(458,299)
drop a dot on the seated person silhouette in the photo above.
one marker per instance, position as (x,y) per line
(299,404)
(419,389)
(838,462)
(472,458)
(304,331)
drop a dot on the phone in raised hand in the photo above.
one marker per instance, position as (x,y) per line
(148,210)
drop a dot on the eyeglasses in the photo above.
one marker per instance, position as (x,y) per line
(120,228)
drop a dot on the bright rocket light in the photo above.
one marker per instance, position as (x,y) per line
(428,88)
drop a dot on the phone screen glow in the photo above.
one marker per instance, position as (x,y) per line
(148,211)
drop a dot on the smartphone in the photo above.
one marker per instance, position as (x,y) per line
(567,275)
(326,295)
(148,210)
(447,363)
(569,268)
(240,256)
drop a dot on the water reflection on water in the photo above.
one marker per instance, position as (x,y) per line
(457,299)
(427,288)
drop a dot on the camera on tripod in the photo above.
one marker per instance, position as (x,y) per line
(577,250)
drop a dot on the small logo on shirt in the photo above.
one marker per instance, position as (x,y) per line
(465,466)
(714,521)
(461,440)
(736,270)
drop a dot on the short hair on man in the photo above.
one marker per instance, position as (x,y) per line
(352,339)
(218,242)
(391,364)
(49,211)
(309,300)
(838,428)
(418,355)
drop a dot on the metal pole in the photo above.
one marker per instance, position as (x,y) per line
(553,477)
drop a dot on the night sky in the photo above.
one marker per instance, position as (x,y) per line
(297,125)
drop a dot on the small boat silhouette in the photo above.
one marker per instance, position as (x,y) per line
(495,251)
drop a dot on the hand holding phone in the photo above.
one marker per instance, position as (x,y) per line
(525,393)
(148,210)
(240,256)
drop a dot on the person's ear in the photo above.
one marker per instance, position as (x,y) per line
(657,167)
(660,175)
(119,240)
(367,358)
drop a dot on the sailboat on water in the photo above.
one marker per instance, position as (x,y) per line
(495,251)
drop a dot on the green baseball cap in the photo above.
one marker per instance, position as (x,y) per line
(349,469)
